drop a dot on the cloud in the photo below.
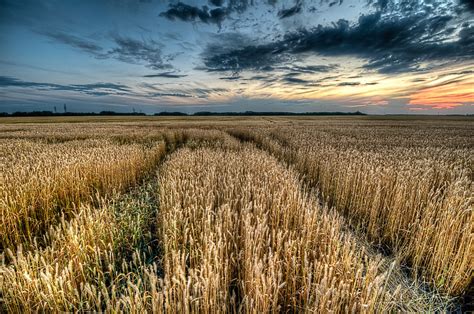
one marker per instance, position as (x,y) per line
(95,89)
(333,3)
(98,89)
(216,3)
(283,14)
(135,51)
(264,78)
(309,69)
(74,41)
(188,13)
(157,90)
(230,78)
(166,75)
(389,44)
(469,4)
(348,84)
(171,95)
(127,49)
(294,80)
(114,89)
(230,53)
(6,81)
(242,5)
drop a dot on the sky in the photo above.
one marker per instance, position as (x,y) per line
(373,56)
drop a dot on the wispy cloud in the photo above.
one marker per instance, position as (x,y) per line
(94,89)
(135,51)
(166,75)
(75,41)
(127,49)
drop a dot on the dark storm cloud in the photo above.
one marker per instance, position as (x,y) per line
(228,53)
(95,89)
(282,14)
(469,4)
(216,3)
(166,75)
(390,44)
(188,13)
(382,4)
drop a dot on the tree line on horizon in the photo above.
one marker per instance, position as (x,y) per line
(174,113)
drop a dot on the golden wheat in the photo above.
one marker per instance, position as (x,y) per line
(409,195)
(240,233)
(87,224)
(39,182)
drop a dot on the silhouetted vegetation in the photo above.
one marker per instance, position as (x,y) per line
(276,113)
(67,114)
(175,113)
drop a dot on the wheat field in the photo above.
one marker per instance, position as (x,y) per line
(300,214)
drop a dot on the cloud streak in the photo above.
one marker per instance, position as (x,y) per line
(94,89)
(165,75)
(74,41)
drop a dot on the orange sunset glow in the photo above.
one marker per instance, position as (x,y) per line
(447,96)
